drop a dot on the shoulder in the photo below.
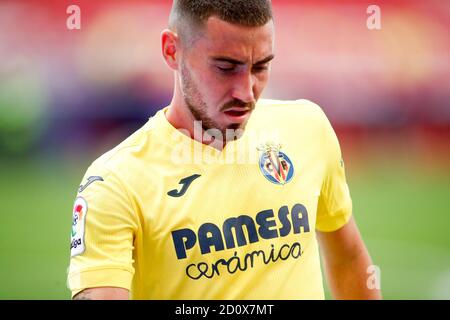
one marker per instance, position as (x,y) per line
(290,113)
(127,158)
(300,103)
(299,107)
(125,149)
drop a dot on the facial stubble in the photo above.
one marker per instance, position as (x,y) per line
(199,109)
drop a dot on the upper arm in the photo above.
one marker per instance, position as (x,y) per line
(341,245)
(103,232)
(105,293)
(347,261)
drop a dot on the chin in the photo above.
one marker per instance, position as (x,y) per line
(236,126)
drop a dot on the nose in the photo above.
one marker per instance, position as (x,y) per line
(244,87)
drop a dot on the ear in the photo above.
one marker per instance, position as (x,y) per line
(169,42)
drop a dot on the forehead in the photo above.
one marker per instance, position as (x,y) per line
(239,42)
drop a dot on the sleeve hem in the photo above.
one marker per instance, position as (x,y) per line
(337,224)
(100,277)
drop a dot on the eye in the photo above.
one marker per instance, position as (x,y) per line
(226,68)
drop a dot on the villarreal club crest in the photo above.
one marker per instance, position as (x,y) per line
(274,164)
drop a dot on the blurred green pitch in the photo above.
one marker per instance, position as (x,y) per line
(403,216)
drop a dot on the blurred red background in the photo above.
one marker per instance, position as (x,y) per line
(76,89)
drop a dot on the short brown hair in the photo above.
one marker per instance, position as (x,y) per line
(250,13)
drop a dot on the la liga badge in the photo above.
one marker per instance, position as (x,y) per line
(80,209)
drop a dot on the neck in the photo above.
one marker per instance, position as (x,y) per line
(181,118)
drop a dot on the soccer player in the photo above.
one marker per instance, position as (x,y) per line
(197,204)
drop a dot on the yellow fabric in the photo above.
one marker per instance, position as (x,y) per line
(233,234)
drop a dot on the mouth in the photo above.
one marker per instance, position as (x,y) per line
(237,114)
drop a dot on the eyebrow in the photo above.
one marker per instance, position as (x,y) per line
(238,62)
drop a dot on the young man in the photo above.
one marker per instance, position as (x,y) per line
(178,211)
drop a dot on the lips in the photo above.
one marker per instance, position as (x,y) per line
(236,112)
(237,115)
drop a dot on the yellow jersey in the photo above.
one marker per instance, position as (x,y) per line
(167,217)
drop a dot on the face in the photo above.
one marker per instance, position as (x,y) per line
(224,71)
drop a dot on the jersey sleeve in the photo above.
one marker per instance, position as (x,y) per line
(335,204)
(103,230)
